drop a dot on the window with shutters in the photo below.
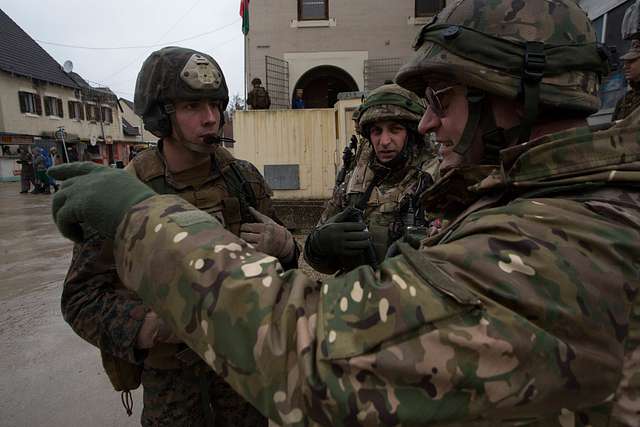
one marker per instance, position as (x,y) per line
(76,111)
(53,106)
(313,10)
(92,112)
(425,8)
(107,115)
(29,103)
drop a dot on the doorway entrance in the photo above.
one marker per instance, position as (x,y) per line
(321,86)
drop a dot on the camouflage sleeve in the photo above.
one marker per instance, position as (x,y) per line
(512,319)
(103,315)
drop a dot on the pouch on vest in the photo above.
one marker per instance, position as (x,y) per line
(124,377)
(231,211)
(379,239)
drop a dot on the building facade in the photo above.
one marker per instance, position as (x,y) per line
(133,130)
(43,104)
(326,47)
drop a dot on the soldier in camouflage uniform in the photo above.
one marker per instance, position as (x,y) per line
(391,169)
(174,86)
(631,100)
(524,311)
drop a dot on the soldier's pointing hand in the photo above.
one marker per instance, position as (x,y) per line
(94,195)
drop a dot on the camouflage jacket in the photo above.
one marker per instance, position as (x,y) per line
(524,311)
(92,304)
(388,207)
(629,102)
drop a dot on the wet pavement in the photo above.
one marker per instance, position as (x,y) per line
(48,375)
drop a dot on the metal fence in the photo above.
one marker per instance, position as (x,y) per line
(377,71)
(277,72)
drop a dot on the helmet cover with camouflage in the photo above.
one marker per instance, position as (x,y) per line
(389,102)
(542,54)
(484,45)
(176,74)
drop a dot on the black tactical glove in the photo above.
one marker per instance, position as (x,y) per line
(342,239)
(339,244)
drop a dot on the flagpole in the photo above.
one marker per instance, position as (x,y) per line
(245,71)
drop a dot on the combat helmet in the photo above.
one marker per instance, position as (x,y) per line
(389,102)
(176,73)
(542,53)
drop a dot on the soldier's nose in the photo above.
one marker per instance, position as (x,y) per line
(429,122)
(210,114)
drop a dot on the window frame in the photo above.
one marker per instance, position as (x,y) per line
(29,102)
(443,3)
(302,18)
(91,111)
(76,110)
(53,106)
(103,116)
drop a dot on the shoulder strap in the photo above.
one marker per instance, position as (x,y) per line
(148,165)
(150,169)
(238,186)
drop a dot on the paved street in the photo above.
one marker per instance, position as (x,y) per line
(49,375)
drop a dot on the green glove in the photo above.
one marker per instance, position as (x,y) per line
(94,195)
(341,239)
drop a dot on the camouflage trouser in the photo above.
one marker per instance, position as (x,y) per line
(175,398)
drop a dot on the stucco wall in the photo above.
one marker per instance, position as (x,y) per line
(378,28)
(306,138)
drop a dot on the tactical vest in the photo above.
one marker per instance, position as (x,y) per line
(385,203)
(227,195)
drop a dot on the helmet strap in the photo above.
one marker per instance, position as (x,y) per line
(481,118)
(532,73)
(495,139)
(476,104)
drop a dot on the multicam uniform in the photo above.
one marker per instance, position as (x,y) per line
(386,194)
(525,310)
(391,192)
(98,308)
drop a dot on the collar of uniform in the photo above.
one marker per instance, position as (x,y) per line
(575,154)
(221,159)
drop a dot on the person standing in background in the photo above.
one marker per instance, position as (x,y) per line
(258,98)
(27,176)
(631,100)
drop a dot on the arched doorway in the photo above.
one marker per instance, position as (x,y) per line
(322,85)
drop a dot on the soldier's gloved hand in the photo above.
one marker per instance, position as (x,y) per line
(95,195)
(341,239)
(154,331)
(268,236)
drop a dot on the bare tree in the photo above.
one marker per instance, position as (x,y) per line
(235,103)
